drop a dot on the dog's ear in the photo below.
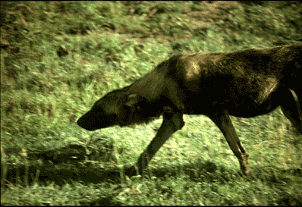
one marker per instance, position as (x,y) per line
(132,102)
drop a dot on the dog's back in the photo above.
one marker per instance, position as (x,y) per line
(247,82)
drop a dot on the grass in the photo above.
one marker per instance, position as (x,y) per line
(58,58)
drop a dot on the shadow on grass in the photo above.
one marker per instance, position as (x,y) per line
(71,163)
(199,171)
(70,170)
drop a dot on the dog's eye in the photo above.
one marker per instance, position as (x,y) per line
(167,109)
(133,108)
(130,108)
(138,108)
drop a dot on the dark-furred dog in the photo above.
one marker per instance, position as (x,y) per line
(243,83)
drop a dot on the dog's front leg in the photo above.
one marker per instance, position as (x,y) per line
(172,122)
(223,121)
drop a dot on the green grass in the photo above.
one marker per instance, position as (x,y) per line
(58,58)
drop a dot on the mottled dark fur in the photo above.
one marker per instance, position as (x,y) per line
(243,83)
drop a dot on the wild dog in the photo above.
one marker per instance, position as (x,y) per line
(245,83)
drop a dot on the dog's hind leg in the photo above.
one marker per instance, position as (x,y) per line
(223,121)
(291,108)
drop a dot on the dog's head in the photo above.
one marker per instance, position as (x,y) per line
(117,108)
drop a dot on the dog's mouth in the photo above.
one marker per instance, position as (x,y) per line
(85,125)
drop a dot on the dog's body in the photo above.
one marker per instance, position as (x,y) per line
(244,83)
